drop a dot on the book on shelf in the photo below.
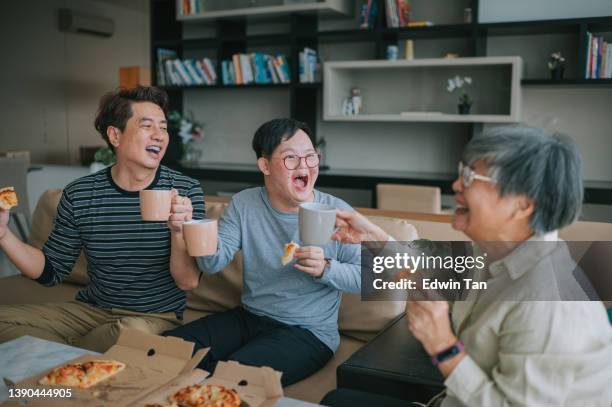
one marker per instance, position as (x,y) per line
(367,16)
(397,13)
(258,68)
(172,71)
(190,7)
(598,58)
(164,55)
(309,67)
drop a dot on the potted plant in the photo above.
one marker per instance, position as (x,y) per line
(102,159)
(190,132)
(465,102)
(556,65)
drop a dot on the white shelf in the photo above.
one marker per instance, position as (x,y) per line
(448,118)
(326,7)
(389,88)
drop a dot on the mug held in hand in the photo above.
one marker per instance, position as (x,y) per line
(317,223)
(155,204)
(200,237)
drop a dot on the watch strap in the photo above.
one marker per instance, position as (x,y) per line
(448,353)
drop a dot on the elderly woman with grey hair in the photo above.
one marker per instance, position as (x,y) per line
(516,185)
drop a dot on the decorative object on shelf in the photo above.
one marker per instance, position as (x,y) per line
(392,51)
(451,55)
(409,50)
(556,65)
(102,159)
(352,105)
(467,15)
(465,102)
(320,146)
(190,132)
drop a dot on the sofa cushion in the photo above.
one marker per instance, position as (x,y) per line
(43,221)
(21,290)
(363,319)
(313,388)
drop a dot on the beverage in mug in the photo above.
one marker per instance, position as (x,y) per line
(200,237)
(155,204)
(317,222)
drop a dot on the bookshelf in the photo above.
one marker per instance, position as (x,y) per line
(229,33)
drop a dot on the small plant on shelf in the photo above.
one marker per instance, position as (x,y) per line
(556,65)
(191,133)
(465,101)
(102,159)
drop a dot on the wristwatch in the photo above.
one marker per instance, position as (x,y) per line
(448,353)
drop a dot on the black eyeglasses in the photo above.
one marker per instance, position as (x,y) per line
(292,162)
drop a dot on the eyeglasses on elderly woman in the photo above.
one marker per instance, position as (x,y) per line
(468,175)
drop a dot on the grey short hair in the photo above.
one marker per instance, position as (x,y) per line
(543,166)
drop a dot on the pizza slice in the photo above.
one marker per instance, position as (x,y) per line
(82,375)
(8,198)
(288,253)
(206,395)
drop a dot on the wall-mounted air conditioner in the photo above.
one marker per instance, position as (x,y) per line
(77,22)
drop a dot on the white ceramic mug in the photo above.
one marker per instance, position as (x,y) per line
(317,222)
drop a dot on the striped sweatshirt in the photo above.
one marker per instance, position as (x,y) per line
(128,260)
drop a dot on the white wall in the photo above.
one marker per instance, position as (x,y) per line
(492,11)
(51,82)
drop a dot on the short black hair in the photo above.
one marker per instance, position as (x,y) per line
(116,107)
(270,134)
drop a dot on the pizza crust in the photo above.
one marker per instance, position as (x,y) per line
(8,198)
(289,251)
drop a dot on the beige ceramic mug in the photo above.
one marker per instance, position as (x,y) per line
(155,204)
(200,237)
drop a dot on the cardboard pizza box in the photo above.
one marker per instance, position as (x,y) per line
(151,362)
(256,386)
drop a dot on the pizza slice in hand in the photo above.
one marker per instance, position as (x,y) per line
(8,198)
(289,252)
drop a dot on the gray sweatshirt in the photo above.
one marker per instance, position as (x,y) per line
(284,293)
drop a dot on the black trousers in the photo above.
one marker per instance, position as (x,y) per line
(356,398)
(253,340)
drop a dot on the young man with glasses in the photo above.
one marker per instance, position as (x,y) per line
(289,314)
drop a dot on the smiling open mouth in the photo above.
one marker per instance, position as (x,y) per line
(461,209)
(156,150)
(300,181)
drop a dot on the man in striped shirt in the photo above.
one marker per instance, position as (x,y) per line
(138,271)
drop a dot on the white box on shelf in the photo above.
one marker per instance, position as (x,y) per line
(270,8)
(397,91)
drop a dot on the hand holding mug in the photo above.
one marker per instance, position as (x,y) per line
(353,227)
(430,323)
(180,211)
(310,260)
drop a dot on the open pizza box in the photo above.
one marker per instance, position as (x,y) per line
(151,362)
(256,386)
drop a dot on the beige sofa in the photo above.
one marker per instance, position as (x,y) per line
(358,321)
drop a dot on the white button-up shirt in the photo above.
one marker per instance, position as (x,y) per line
(521,352)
